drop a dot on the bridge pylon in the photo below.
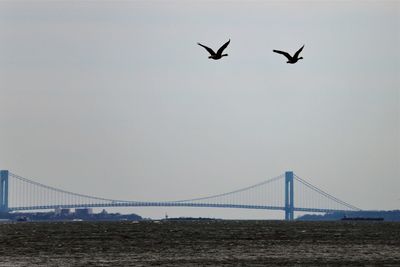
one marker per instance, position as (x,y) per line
(289,196)
(3,191)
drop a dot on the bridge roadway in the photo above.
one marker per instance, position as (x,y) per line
(170,204)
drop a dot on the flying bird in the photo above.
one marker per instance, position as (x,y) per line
(217,55)
(291,59)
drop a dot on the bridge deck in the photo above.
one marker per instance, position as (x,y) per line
(171,204)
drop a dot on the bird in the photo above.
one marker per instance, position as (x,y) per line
(217,55)
(291,60)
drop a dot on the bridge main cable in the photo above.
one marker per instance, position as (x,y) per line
(60,190)
(232,192)
(325,194)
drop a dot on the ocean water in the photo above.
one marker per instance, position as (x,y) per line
(203,243)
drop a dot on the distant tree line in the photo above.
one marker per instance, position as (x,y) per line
(389,215)
(52,216)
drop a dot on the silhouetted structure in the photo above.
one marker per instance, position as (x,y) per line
(289,196)
(3,191)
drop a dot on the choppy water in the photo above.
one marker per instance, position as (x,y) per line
(220,243)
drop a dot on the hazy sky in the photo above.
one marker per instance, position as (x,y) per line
(115,98)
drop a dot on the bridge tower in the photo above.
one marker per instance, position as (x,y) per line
(289,196)
(3,191)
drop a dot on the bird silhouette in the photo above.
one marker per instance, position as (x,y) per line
(291,60)
(217,55)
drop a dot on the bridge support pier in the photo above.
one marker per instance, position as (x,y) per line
(289,196)
(3,191)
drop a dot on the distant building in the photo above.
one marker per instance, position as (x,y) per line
(103,212)
(57,211)
(65,212)
(84,212)
(62,212)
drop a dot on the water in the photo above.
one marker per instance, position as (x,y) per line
(215,243)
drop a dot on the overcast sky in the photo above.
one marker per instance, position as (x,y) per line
(115,98)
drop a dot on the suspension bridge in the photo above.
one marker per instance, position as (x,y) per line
(22,194)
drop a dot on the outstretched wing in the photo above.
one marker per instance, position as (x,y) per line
(298,52)
(219,52)
(208,49)
(283,53)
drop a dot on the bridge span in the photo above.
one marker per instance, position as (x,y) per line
(21,194)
